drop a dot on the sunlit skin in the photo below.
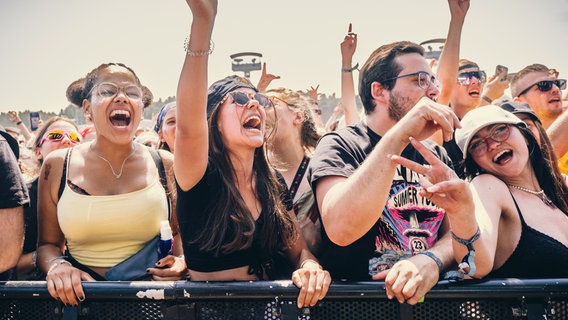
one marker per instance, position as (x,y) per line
(465,98)
(100,108)
(511,165)
(168,130)
(231,119)
(546,105)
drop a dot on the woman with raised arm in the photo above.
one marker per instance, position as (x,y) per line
(511,222)
(101,204)
(232,219)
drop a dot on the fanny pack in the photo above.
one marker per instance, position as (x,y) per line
(134,267)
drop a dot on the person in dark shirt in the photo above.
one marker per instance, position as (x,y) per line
(230,209)
(376,225)
(13,198)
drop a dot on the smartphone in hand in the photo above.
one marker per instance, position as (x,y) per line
(500,69)
(34,120)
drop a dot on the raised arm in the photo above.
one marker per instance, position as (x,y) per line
(191,143)
(348,47)
(449,58)
(265,79)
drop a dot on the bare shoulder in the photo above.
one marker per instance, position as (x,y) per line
(493,193)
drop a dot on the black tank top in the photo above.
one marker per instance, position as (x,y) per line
(537,255)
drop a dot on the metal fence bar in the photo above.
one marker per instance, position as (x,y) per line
(507,299)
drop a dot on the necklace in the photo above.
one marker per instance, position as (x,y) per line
(117,176)
(539,194)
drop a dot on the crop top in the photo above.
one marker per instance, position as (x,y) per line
(537,255)
(192,209)
(102,231)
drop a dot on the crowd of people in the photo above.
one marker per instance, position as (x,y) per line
(440,176)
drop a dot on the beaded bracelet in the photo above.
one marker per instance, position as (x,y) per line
(200,52)
(469,260)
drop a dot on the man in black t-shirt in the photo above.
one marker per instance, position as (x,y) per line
(13,196)
(376,224)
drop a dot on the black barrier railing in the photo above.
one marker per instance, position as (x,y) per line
(494,299)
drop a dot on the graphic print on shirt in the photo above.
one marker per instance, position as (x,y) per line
(409,223)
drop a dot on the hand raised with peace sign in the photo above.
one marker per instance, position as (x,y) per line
(439,183)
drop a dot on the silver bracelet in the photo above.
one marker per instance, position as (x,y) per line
(200,52)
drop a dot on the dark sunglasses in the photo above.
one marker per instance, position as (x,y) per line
(242,99)
(464,78)
(546,85)
(58,135)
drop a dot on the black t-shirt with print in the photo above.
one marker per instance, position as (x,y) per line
(409,223)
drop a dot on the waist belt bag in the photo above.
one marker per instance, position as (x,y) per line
(134,267)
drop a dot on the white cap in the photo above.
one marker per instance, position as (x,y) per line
(165,230)
(479,118)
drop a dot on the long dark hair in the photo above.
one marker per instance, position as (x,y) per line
(230,225)
(546,171)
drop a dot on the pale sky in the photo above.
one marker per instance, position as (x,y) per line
(47,44)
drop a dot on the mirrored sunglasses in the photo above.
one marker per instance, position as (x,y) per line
(58,135)
(242,99)
(546,85)
(465,78)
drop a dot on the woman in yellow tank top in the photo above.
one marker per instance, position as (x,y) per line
(103,200)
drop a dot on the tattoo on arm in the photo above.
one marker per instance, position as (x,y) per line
(47,169)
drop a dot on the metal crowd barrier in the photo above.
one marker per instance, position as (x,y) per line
(493,299)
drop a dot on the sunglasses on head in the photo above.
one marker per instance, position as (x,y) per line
(242,99)
(465,78)
(58,135)
(546,85)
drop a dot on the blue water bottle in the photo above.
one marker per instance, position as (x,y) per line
(165,239)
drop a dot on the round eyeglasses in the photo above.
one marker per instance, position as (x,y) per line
(425,80)
(110,90)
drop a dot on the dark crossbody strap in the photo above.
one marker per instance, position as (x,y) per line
(298,177)
(163,177)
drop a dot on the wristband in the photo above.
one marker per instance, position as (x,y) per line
(356,67)
(486,98)
(432,256)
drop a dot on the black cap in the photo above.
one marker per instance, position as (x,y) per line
(520,107)
(11,141)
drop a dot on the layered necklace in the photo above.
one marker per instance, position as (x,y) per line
(539,194)
(117,176)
